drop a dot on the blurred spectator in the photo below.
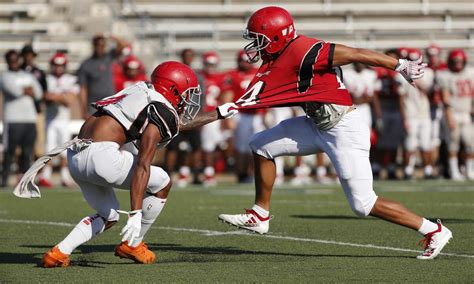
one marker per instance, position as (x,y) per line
(415,110)
(132,72)
(388,118)
(457,86)
(95,73)
(188,142)
(213,134)
(249,122)
(62,93)
(360,82)
(28,55)
(20,90)
(439,129)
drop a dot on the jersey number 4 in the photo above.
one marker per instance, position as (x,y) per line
(251,96)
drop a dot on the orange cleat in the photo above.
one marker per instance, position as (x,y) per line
(55,258)
(139,254)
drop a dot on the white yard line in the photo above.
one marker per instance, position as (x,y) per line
(225,233)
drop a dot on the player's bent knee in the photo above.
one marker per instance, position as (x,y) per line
(362,208)
(163,193)
(258,148)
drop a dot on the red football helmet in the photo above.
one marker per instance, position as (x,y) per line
(270,29)
(433,50)
(414,54)
(179,84)
(210,58)
(457,60)
(58,59)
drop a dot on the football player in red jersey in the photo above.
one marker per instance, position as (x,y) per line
(249,122)
(133,72)
(301,70)
(212,135)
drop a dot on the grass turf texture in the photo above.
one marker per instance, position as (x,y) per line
(211,254)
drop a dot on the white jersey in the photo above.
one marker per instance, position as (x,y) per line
(67,83)
(416,102)
(361,84)
(461,88)
(138,105)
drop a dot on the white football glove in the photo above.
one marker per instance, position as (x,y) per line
(411,70)
(226,110)
(131,231)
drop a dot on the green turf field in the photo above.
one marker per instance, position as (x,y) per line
(314,238)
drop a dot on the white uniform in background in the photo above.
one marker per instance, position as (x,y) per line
(417,112)
(58,116)
(361,84)
(460,86)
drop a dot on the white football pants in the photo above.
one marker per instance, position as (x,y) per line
(100,168)
(347,145)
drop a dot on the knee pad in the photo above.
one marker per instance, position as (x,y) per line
(159,179)
(362,209)
(360,195)
(258,148)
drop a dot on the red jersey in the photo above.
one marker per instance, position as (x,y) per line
(213,89)
(303,72)
(238,81)
(121,81)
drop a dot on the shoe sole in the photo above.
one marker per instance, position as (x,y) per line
(248,229)
(131,257)
(438,250)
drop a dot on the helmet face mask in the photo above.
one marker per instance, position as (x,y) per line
(189,104)
(254,49)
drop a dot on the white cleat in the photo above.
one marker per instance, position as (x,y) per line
(250,221)
(435,241)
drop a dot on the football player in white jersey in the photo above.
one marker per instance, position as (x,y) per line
(146,114)
(61,94)
(457,87)
(295,68)
(360,82)
(416,117)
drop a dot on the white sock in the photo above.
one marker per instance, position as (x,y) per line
(410,168)
(209,171)
(321,171)
(453,166)
(260,211)
(428,170)
(151,207)
(185,171)
(47,171)
(470,167)
(85,230)
(427,227)
(65,176)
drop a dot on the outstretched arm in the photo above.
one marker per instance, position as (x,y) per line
(410,70)
(224,111)
(200,120)
(344,55)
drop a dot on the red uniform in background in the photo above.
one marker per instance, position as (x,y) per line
(133,72)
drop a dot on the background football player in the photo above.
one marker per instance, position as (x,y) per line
(212,134)
(457,86)
(297,69)
(249,122)
(62,92)
(416,118)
